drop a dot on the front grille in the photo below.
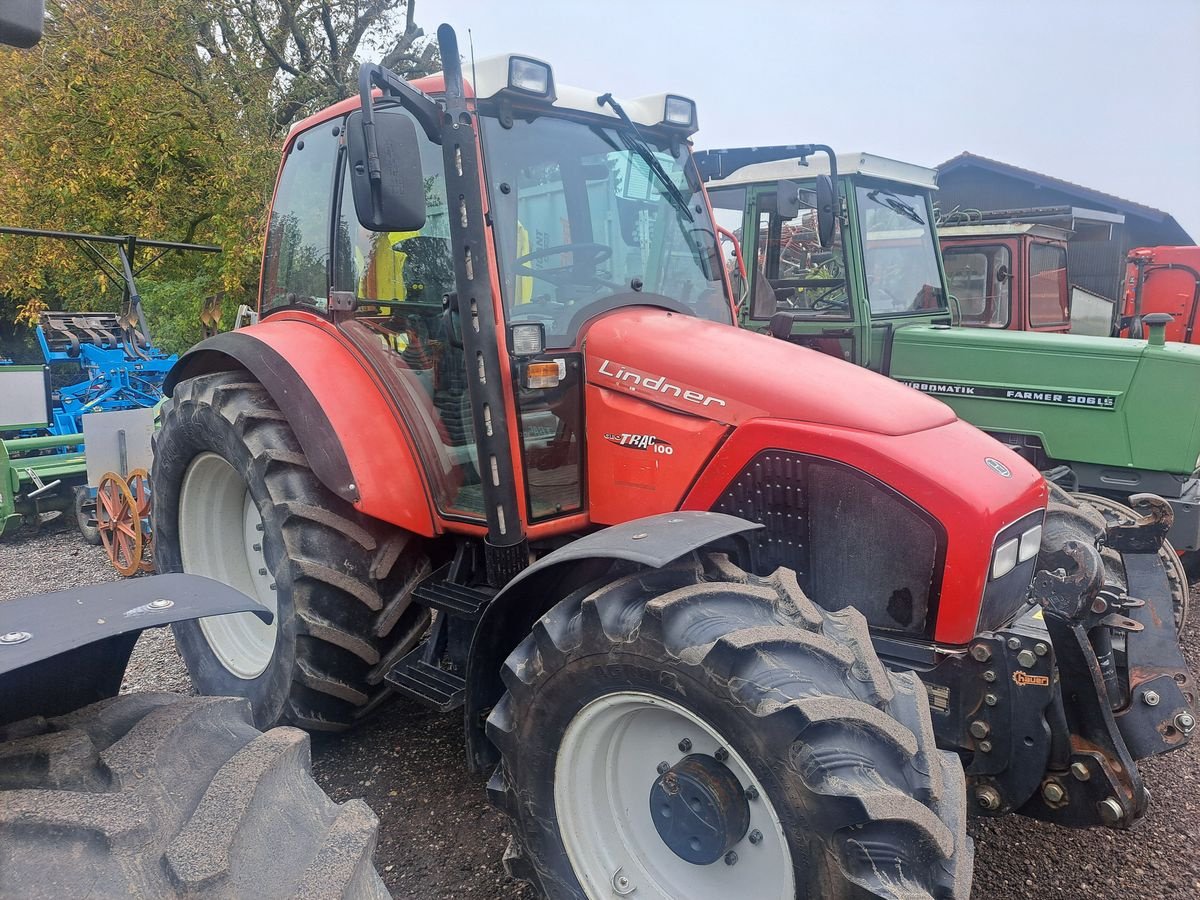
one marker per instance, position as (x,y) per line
(851,539)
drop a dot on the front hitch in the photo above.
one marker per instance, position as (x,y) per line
(1125,687)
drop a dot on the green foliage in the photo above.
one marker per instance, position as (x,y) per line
(165,120)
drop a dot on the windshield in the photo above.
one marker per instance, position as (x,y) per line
(899,255)
(585,224)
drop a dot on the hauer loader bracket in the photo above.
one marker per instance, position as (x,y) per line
(1147,533)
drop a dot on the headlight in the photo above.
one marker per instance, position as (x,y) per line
(1031,543)
(1005,559)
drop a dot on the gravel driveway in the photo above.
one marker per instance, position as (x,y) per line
(440,838)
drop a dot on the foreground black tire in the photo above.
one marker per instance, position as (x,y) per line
(813,727)
(342,583)
(156,795)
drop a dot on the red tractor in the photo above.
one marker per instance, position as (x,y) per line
(495,444)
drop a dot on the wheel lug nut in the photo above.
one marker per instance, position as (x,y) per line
(685,745)
(731,858)
(664,767)
(262,571)
(755,836)
(752,793)
(721,755)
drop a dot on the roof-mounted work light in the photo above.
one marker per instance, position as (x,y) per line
(530,76)
(679,112)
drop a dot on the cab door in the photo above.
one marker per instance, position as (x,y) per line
(791,273)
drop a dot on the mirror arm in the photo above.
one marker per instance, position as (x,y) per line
(425,110)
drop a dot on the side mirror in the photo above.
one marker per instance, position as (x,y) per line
(397,201)
(787,200)
(827,210)
(1002,274)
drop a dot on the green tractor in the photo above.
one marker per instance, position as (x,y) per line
(841,255)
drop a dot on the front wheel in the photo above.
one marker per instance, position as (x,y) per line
(235,500)
(698,732)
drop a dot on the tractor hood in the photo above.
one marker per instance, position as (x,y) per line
(731,375)
(1090,399)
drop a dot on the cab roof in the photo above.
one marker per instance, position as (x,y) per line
(489,76)
(865,164)
(1005,229)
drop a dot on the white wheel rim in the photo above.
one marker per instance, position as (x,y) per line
(605,767)
(221,537)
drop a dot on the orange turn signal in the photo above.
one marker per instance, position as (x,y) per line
(542,375)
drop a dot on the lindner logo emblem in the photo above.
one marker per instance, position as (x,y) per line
(998,467)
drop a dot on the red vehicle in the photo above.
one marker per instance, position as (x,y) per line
(495,444)
(1163,280)
(1010,276)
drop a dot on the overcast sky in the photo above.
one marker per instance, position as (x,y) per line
(1099,92)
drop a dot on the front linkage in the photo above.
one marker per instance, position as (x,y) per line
(1054,710)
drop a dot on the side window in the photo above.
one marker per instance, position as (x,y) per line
(1049,298)
(980,279)
(296,264)
(804,278)
(385,269)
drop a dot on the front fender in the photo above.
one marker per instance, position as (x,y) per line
(341,416)
(653,541)
(66,649)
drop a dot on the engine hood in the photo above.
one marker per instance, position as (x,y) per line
(732,375)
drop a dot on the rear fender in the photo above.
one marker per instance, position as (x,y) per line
(341,415)
(64,650)
(653,541)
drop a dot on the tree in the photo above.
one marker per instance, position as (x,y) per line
(165,120)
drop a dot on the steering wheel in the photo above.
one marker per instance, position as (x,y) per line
(559,275)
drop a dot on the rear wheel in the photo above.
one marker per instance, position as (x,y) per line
(155,795)
(235,500)
(698,732)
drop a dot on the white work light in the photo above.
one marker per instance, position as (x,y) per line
(530,76)
(680,112)
(527,339)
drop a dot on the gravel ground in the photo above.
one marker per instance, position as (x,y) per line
(440,840)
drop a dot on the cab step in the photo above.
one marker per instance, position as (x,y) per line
(457,600)
(414,676)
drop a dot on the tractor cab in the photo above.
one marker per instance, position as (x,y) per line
(878,271)
(586,204)
(1010,276)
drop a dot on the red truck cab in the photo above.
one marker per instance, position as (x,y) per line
(1010,276)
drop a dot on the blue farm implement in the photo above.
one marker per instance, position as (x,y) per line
(92,362)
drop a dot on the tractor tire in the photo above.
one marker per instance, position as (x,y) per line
(1083,517)
(235,500)
(628,688)
(157,795)
(1116,512)
(85,516)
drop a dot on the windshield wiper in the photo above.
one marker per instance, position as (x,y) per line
(896,205)
(634,141)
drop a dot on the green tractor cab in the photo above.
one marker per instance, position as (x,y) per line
(1099,415)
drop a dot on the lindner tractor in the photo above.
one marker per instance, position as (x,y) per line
(1113,419)
(495,445)
(151,795)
